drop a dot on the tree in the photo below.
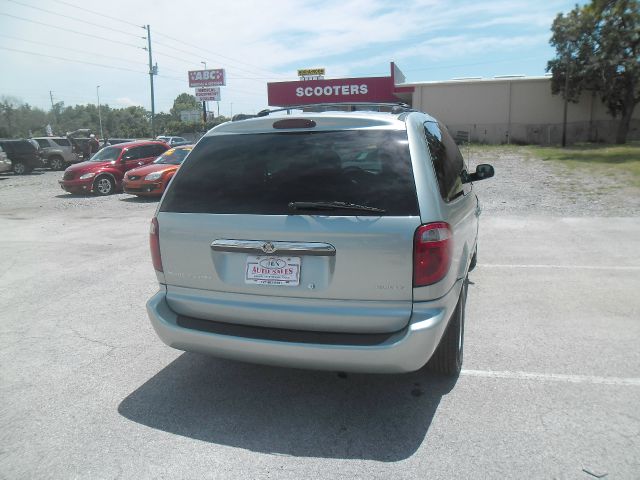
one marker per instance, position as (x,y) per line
(183,102)
(598,49)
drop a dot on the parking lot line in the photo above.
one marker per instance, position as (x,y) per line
(569,267)
(553,377)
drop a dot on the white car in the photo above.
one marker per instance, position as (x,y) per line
(5,163)
(173,141)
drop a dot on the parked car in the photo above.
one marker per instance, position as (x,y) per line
(23,154)
(152,179)
(335,240)
(173,141)
(103,173)
(115,141)
(5,163)
(57,152)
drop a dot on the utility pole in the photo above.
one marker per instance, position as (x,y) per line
(204,103)
(53,111)
(152,72)
(99,115)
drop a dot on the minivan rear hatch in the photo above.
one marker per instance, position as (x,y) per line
(307,229)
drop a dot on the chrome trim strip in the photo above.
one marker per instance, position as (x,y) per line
(281,248)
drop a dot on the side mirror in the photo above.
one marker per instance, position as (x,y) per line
(483,171)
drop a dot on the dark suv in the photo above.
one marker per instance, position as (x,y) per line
(24,155)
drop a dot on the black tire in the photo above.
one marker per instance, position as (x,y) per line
(20,168)
(474,260)
(104,185)
(447,359)
(57,163)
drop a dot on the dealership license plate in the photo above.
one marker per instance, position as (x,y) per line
(270,270)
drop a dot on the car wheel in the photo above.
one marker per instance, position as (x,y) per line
(447,358)
(56,163)
(104,185)
(474,260)
(20,168)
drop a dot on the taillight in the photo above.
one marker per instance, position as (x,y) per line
(432,248)
(154,243)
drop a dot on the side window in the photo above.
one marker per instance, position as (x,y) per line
(133,154)
(42,142)
(157,150)
(63,142)
(447,160)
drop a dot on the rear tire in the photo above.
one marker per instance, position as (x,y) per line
(447,359)
(20,168)
(104,185)
(56,163)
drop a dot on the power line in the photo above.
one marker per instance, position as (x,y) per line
(255,67)
(101,14)
(72,60)
(111,29)
(195,55)
(230,77)
(233,89)
(69,30)
(72,49)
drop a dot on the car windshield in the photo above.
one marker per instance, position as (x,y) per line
(106,154)
(174,156)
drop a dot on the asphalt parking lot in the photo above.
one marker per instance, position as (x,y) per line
(550,386)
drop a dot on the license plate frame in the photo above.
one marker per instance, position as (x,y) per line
(273,270)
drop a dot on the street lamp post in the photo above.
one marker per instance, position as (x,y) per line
(99,115)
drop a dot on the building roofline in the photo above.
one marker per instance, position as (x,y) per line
(503,79)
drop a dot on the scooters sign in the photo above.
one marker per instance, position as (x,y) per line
(207,78)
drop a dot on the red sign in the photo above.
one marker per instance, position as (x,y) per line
(206,78)
(343,90)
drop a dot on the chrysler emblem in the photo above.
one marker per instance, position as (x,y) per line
(268,247)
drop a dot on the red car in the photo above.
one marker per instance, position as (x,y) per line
(103,173)
(152,179)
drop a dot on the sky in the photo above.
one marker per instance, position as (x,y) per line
(71,47)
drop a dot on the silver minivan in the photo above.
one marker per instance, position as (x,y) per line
(331,240)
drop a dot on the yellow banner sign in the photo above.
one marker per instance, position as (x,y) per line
(310,72)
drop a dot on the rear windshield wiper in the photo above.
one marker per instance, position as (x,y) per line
(333,206)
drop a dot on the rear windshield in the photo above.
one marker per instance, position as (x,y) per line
(263,173)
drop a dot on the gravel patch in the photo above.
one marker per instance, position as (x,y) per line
(523,185)
(20,194)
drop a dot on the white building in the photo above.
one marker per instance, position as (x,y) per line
(514,109)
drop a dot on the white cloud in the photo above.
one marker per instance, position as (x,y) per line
(255,41)
(127,102)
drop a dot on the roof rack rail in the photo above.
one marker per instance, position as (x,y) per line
(399,107)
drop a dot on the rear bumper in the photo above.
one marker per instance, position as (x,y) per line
(404,351)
